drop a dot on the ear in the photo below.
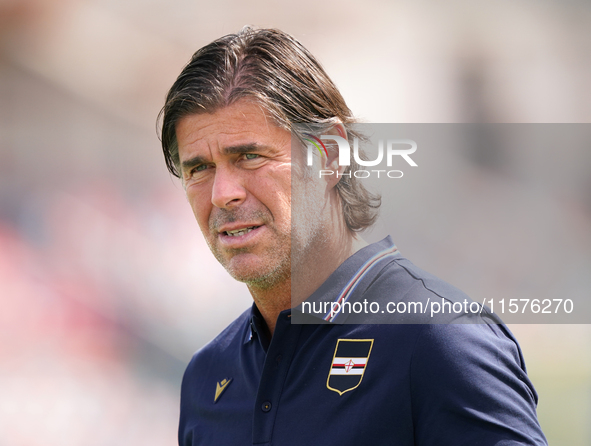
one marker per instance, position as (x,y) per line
(332,161)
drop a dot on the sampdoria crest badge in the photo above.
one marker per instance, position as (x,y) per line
(348,364)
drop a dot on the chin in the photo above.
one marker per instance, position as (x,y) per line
(259,276)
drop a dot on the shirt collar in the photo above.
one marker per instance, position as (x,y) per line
(257,326)
(350,280)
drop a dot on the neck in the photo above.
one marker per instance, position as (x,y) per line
(272,301)
(306,276)
(310,273)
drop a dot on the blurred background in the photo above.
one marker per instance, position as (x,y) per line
(106,286)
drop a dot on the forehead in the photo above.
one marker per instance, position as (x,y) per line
(241,123)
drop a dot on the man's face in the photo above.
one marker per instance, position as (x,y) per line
(236,169)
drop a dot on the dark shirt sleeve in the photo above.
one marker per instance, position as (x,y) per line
(470,387)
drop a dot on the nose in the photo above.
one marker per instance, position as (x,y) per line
(228,190)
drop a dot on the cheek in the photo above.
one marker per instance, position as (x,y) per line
(280,180)
(277,190)
(201,207)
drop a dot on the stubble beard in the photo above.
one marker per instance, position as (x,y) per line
(274,264)
(308,231)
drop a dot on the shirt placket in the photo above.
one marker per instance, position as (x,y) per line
(279,357)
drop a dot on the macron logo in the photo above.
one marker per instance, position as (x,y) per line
(220,387)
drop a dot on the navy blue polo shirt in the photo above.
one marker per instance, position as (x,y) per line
(361,384)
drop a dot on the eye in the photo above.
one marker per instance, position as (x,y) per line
(199,168)
(251,156)
(196,171)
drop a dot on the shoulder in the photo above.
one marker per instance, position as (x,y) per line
(469,349)
(410,295)
(472,378)
(404,277)
(225,344)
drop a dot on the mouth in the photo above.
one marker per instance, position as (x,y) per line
(241,237)
(240,232)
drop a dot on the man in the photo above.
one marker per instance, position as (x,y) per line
(291,236)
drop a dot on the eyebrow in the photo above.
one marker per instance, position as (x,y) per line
(242,148)
(231,150)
